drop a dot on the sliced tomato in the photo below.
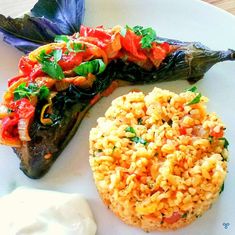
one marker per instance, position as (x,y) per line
(9,129)
(219,134)
(166,47)
(172,219)
(36,72)
(183,130)
(97,32)
(24,108)
(26,65)
(68,62)
(131,43)
(158,53)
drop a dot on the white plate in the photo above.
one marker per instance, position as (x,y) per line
(183,19)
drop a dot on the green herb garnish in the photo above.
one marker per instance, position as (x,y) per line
(222,188)
(148,35)
(32,90)
(130,129)
(57,54)
(96,66)
(71,46)
(184,215)
(195,100)
(226,143)
(140,121)
(210,139)
(61,38)
(52,69)
(193,89)
(135,138)
(50,66)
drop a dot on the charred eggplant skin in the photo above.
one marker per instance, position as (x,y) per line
(189,62)
(47,142)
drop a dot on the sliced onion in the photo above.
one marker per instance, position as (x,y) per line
(23,126)
(3,111)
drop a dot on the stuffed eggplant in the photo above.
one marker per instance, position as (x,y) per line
(57,83)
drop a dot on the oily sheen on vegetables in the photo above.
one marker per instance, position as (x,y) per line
(58,82)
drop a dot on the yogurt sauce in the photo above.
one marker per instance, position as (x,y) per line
(40,212)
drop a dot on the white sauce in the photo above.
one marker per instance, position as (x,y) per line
(40,212)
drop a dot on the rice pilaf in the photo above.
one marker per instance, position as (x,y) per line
(159,161)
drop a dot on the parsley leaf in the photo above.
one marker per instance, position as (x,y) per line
(71,46)
(61,38)
(195,100)
(49,66)
(52,69)
(222,188)
(184,215)
(135,139)
(32,90)
(193,89)
(226,143)
(210,139)
(96,66)
(57,54)
(78,47)
(140,140)
(140,121)
(148,35)
(130,129)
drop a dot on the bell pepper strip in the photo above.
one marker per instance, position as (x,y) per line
(172,219)
(14,79)
(45,109)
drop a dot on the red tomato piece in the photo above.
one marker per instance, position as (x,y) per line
(68,62)
(98,32)
(131,43)
(10,128)
(24,108)
(165,46)
(183,130)
(36,72)
(26,65)
(172,219)
(217,134)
